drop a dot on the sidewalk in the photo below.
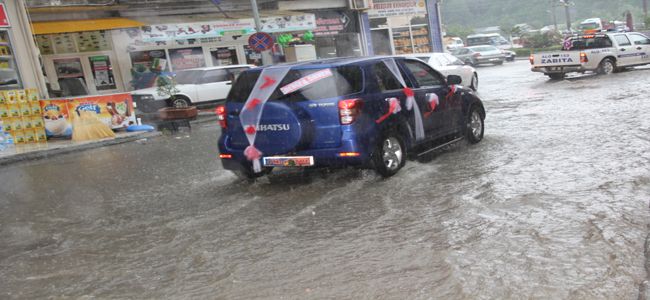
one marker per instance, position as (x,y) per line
(55,147)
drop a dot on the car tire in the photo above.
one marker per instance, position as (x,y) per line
(390,154)
(475,125)
(474,84)
(607,66)
(498,63)
(180,102)
(556,76)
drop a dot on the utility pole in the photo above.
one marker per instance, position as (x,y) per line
(567,12)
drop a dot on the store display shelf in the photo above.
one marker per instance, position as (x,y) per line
(6,57)
(4,44)
(9,86)
(7,69)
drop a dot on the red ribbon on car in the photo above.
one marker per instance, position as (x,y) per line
(393,108)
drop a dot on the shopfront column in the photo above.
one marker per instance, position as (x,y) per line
(23,46)
(433,10)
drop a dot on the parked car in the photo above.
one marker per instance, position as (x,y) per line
(492,39)
(448,64)
(343,112)
(476,55)
(453,43)
(195,86)
(509,55)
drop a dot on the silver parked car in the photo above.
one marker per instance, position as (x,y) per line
(476,55)
(447,64)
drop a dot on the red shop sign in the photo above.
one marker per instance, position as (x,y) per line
(4,20)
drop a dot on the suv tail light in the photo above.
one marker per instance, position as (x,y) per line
(221,115)
(531,58)
(583,58)
(349,110)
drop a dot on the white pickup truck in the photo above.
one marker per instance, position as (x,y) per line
(603,53)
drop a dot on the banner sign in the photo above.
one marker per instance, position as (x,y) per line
(113,111)
(160,33)
(334,22)
(388,8)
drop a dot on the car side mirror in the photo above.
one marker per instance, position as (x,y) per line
(454,79)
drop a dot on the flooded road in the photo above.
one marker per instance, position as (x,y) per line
(552,204)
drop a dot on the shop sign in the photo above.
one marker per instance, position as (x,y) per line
(212,29)
(333,23)
(4,19)
(388,8)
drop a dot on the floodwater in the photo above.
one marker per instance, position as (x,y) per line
(552,204)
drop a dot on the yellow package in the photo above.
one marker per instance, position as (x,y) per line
(27,123)
(40,135)
(10,96)
(2,99)
(36,108)
(4,50)
(37,122)
(16,123)
(25,109)
(14,110)
(21,96)
(32,95)
(19,136)
(4,111)
(30,136)
(8,124)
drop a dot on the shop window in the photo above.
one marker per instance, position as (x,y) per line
(224,56)
(187,58)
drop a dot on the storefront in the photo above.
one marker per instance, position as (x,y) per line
(401,27)
(337,34)
(78,56)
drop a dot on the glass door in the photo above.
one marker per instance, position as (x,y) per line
(224,56)
(9,78)
(70,76)
(80,75)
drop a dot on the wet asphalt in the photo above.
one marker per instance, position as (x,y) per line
(552,204)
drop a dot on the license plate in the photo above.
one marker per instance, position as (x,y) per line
(289,161)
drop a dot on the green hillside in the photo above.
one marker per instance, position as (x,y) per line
(483,13)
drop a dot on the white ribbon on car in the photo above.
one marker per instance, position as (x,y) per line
(251,114)
(410,97)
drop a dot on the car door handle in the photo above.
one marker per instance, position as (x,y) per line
(234,113)
(622,49)
(228,82)
(639,48)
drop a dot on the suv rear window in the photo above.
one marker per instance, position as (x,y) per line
(345,80)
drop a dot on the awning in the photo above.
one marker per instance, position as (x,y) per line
(83,25)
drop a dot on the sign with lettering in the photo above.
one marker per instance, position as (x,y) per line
(388,8)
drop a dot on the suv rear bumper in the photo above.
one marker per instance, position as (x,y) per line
(326,157)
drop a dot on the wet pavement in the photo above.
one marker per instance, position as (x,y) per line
(552,204)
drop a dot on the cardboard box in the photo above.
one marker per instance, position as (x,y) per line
(10,96)
(27,122)
(4,111)
(36,108)
(32,95)
(19,136)
(30,136)
(37,122)
(25,109)
(40,135)
(14,110)
(21,95)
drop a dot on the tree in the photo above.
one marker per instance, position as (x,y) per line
(459,31)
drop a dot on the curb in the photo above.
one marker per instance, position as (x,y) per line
(45,153)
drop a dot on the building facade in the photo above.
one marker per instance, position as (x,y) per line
(93,47)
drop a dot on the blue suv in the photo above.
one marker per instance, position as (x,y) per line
(370,112)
